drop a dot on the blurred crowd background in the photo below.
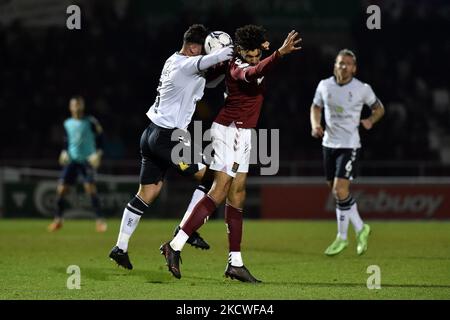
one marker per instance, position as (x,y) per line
(115,60)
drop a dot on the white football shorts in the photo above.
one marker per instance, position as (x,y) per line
(231,147)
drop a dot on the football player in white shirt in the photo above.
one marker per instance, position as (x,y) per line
(342,97)
(231,143)
(181,85)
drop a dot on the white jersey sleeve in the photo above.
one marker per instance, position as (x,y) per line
(190,65)
(369,96)
(318,98)
(199,63)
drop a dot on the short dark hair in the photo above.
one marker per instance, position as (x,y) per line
(250,37)
(347,52)
(78,98)
(195,34)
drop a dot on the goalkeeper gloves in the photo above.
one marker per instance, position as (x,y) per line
(95,159)
(64,158)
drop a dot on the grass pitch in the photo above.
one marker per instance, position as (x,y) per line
(414,259)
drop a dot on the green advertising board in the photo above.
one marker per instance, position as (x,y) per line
(38,199)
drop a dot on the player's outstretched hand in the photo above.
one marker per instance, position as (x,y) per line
(317,132)
(225,53)
(95,159)
(290,43)
(63,158)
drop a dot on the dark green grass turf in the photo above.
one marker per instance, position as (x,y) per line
(414,258)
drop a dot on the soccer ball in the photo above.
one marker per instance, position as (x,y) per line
(216,40)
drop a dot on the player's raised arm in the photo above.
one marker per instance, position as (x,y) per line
(289,44)
(254,72)
(200,63)
(215,57)
(316,117)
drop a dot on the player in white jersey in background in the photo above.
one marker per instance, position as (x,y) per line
(342,97)
(181,85)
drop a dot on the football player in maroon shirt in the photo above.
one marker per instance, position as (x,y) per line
(231,141)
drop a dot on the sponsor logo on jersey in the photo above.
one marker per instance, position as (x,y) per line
(183,166)
(339,109)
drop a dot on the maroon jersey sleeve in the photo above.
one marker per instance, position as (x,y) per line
(254,72)
(216,71)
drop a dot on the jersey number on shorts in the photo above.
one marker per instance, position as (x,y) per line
(348,168)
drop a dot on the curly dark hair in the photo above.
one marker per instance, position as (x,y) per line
(250,37)
(195,34)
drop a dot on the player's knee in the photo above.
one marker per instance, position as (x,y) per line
(62,190)
(150,192)
(236,198)
(148,196)
(90,189)
(218,192)
(220,187)
(217,195)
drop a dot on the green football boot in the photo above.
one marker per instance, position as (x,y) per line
(362,238)
(336,247)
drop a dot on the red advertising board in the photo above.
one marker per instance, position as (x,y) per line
(374,201)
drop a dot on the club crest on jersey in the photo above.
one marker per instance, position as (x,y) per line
(259,80)
(350,96)
(235,167)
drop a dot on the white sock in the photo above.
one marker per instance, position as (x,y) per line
(196,197)
(179,241)
(355,218)
(342,222)
(235,259)
(129,223)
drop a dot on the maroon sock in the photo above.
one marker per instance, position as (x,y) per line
(233,219)
(201,212)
